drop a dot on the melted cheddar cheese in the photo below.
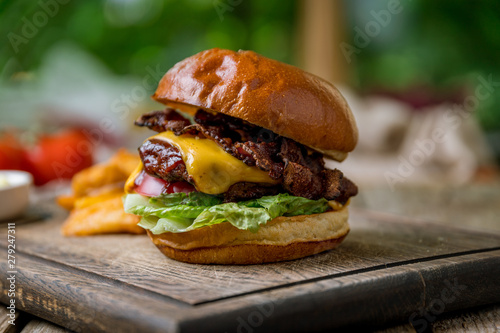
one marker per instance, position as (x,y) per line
(213,170)
(130,183)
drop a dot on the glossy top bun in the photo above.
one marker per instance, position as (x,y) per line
(265,92)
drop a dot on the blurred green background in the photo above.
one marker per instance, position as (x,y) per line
(129,35)
(432,51)
(438,46)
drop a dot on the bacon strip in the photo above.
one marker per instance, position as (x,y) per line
(301,170)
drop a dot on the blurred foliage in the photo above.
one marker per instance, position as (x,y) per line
(441,45)
(130,35)
(444,45)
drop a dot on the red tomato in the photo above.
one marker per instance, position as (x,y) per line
(12,154)
(60,156)
(150,186)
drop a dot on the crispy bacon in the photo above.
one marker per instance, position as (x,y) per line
(160,121)
(301,169)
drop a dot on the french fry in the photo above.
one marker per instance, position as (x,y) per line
(116,170)
(96,202)
(125,161)
(66,201)
(105,216)
(98,198)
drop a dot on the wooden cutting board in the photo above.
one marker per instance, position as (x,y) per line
(389,269)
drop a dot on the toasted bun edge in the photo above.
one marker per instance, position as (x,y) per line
(283,238)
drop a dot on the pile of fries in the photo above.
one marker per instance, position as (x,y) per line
(96,201)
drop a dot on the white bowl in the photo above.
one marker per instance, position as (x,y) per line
(15,196)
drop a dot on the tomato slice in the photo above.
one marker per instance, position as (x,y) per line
(150,186)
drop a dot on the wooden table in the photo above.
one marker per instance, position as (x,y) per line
(389,268)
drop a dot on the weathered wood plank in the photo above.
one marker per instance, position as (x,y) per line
(405,328)
(85,302)
(42,326)
(89,302)
(375,241)
(5,327)
(485,320)
(365,300)
(361,300)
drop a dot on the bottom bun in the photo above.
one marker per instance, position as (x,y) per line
(283,238)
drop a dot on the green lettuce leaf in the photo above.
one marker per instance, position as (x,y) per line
(179,212)
(193,199)
(287,205)
(242,217)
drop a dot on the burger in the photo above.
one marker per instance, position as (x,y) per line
(236,172)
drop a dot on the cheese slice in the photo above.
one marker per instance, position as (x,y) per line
(130,183)
(213,170)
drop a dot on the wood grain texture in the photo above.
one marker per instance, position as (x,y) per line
(366,299)
(84,302)
(374,241)
(405,328)
(42,326)
(485,320)
(5,327)
(389,269)
(87,302)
